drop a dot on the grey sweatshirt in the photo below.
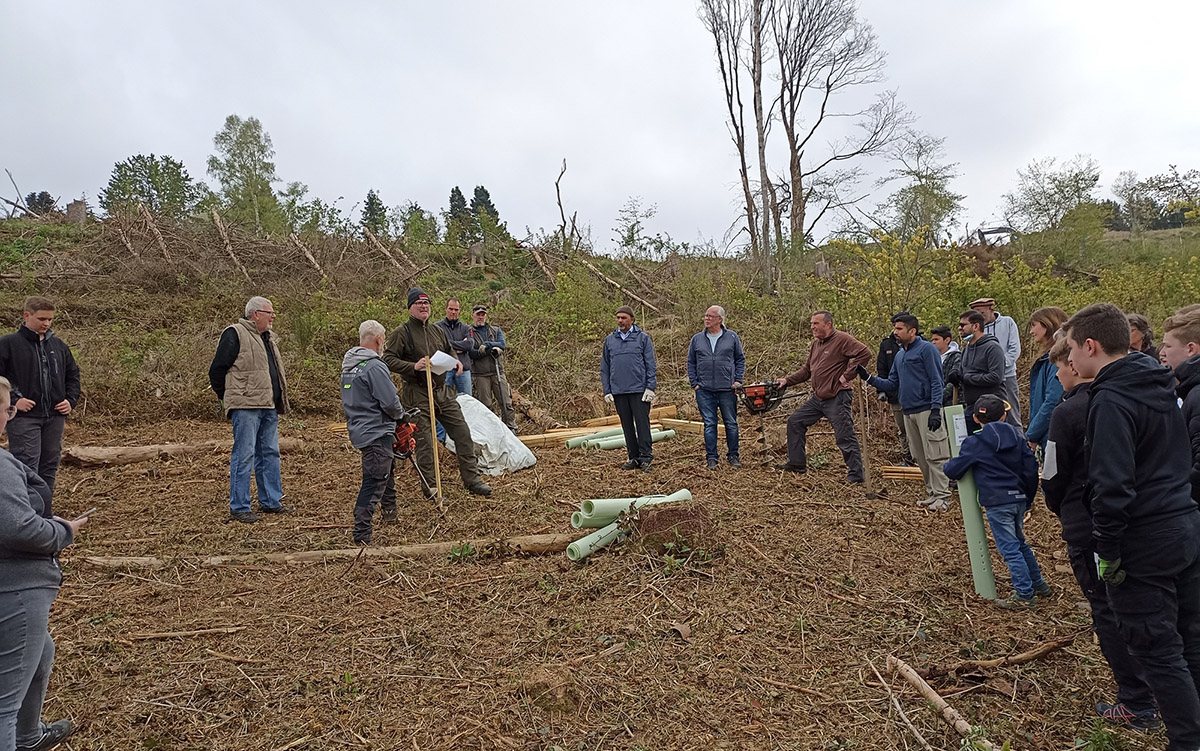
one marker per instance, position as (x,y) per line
(1005,329)
(29,542)
(369,398)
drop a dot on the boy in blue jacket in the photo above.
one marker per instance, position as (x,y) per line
(1006,474)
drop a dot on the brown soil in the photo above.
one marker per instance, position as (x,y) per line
(537,653)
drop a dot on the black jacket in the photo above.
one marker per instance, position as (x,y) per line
(42,370)
(1138,453)
(1064,472)
(982,368)
(1188,375)
(951,363)
(883,362)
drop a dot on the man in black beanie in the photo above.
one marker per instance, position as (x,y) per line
(407,353)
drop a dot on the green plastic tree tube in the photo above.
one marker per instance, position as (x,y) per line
(968,499)
(619,441)
(585,546)
(598,512)
(578,441)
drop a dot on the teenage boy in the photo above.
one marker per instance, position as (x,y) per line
(981,369)
(1064,485)
(1006,474)
(1180,351)
(1145,525)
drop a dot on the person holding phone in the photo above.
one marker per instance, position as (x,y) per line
(30,542)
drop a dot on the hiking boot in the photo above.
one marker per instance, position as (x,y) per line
(855,480)
(52,735)
(735,462)
(479,488)
(245,517)
(1145,721)
(631,464)
(1043,590)
(645,467)
(362,542)
(791,468)
(276,509)
(1016,602)
(712,463)
(388,515)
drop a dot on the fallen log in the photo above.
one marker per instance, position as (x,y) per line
(527,544)
(539,416)
(1037,652)
(91,457)
(656,413)
(949,713)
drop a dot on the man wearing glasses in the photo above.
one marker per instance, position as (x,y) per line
(247,375)
(45,388)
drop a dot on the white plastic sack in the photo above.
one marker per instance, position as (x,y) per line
(499,449)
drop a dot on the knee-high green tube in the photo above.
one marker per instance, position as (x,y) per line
(619,441)
(585,546)
(580,440)
(598,507)
(968,499)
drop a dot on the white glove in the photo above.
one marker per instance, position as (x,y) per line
(648,395)
(609,398)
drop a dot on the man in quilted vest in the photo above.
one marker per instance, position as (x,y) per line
(247,376)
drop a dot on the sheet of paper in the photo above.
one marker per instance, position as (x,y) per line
(960,429)
(441,362)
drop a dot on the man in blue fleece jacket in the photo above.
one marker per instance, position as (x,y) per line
(1006,474)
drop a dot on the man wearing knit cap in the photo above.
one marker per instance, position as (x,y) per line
(628,375)
(407,354)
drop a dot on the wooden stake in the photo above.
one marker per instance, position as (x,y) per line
(868,476)
(162,244)
(949,713)
(309,256)
(228,245)
(437,474)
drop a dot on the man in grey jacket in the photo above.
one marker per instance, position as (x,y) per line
(372,407)
(1005,329)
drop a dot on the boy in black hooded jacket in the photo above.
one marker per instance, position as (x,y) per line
(1145,525)
(1180,351)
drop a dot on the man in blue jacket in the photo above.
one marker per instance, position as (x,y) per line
(629,376)
(916,378)
(372,407)
(1006,474)
(1144,522)
(716,366)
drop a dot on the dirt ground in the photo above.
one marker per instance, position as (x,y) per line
(763,639)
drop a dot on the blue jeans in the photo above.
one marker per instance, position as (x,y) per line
(1008,530)
(255,444)
(26,658)
(709,402)
(461,385)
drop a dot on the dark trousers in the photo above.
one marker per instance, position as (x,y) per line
(1131,685)
(635,421)
(37,442)
(1158,614)
(710,403)
(378,486)
(838,411)
(449,414)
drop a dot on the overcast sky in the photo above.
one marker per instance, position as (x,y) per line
(413,98)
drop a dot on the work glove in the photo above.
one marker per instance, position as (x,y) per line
(648,395)
(861,372)
(935,419)
(609,398)
(955,377)
(1110,571)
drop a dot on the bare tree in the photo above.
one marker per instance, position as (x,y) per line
(823,49)
(1046,191)
(725,20)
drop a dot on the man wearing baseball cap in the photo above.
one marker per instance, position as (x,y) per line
(1004,328)
(407,353)
(491,387)
(629,376)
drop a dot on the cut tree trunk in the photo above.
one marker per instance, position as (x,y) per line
(91,457)
(526,544)
(539,416)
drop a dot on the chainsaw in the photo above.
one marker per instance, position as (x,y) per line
(759,399)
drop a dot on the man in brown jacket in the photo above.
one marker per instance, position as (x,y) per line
(407,354)
(830,367)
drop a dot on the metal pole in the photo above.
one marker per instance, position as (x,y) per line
(968,499)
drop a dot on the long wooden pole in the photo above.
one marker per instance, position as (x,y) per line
(437,473)
(868,478)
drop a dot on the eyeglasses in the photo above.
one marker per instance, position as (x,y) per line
(266,312)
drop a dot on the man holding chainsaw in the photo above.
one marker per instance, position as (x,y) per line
(372,407)
(831,364)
